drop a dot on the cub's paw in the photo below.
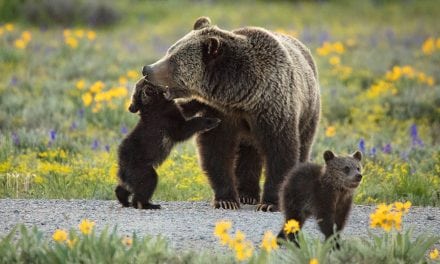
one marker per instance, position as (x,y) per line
(267,207)
(211,123)
(147,206)
(226,204)
(248,200)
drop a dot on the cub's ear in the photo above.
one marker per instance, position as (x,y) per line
(213,46)
(329,155)
(357,155)
(202,22)
(133,108)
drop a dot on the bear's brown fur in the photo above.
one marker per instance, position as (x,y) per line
(325,192)
(161,125)
(264,87)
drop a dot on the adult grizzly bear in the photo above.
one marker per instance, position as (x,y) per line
(264,87)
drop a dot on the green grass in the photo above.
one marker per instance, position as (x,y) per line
(38,95)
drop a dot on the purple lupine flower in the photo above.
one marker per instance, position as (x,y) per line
(52,134)
(14,81)
(15,139)
(362,145)
(124,130)
(387,149)
(107,148)
(81,113)
(73,126)
(415,139)
(404,155)
(373,151)
(95,144)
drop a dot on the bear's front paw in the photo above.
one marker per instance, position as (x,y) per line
(267,207)
(211,123)
(226,204)
(248,200)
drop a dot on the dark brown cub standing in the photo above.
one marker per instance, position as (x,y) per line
(161,125)
(325,192)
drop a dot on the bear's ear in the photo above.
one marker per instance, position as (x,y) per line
(213,46)
(329,155)
(357,155)
(202,22)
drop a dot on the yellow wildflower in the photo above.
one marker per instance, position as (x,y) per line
(243,251)
(91,35)
(26,36)
(123,80)
(97,108)
(330,131)
(335,60)
(71,242)
(20,44)
(71,42)
(421,77)
(222,227)
(434,254)
(87,99)
(269,242)
(430,81)
(67,33)
(428,46)
(80,84)
(128,241)
(9,27)
(86,226)
(97,87)
(402,207)
(79,33)
(338,47)
(38,179)
(132,74)
(60,235)
(292,226)
(313,261)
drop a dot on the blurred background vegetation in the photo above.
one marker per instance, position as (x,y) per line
(67,69)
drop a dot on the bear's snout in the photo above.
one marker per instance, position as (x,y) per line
(146,71)
(358,177)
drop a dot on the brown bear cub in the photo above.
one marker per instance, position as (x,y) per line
(325,192)
(161,125)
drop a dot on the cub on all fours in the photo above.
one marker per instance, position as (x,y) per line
(325,192)
(161,125)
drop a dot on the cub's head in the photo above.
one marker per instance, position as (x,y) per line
(344,171)
(146,94)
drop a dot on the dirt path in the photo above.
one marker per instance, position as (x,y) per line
(187,225)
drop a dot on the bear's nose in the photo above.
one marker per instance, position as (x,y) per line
(359,177)
(146,71)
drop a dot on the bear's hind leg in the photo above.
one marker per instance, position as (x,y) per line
(122,194)
(144,188)
(248,173)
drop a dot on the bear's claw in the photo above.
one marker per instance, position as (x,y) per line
(231,205)
(267,207)
(248,200)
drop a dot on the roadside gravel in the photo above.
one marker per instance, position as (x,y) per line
(187,225)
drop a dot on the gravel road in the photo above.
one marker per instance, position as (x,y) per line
(187,225)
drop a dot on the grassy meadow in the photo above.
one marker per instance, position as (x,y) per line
(64,93)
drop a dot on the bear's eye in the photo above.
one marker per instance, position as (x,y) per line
(347,169)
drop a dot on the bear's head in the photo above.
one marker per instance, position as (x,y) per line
(146,95)
(197,63)
(344,171)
